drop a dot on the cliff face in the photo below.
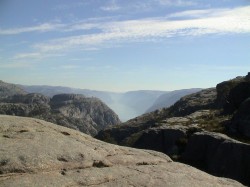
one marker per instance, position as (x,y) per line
(37,153)
(210,112)
(88,115)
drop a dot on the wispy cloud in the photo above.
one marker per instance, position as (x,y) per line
(194,23)
(70,5)
(108,33)
(27,55)
(179,3)
(111,6)
(45,27)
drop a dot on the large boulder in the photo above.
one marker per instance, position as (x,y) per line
(166,139)
(219,155)
(38,153)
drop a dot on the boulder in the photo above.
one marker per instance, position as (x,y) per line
(166,139)
(219,155)
(37,153)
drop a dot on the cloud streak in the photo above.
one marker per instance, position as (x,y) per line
(191,23)
(96,34)
(45,27)
(178,3)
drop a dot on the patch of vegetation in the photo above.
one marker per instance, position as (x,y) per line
(4,162)
(214,122)
(130,141)
(107,138)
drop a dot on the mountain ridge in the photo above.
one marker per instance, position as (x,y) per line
(86,114)
(126,104)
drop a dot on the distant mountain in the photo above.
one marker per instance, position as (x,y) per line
(50,91)
(7,89)
(127,105)
(86,114)
(168,99)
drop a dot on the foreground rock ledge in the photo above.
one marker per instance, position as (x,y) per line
(37,153)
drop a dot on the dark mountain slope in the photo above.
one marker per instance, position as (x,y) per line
(193,130)
(168,99)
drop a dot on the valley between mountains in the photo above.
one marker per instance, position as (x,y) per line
(208,129)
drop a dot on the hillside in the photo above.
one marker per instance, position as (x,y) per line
(37,153)
(88,115)
(200,129)
(127,105)
(7,89)
(168,99)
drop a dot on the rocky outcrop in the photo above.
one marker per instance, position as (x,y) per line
(202,100)
(38,153)
(223,89)
(219,155)
(241,120)
(236,96)
(88,115)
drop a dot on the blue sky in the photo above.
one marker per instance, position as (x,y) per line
(121,45)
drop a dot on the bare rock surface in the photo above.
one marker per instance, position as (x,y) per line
(38,153)
(220,155)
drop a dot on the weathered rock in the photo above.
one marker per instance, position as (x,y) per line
(88,115)
(241,120)
(165,139)
(247,78)
(202,100)
(237,95)
(38,153)
(219,155)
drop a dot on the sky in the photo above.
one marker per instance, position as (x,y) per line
(122,45)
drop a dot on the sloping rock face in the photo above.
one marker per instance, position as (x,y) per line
(7,89)
(38,153)
(219,155)
(88,115)
(185,139)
